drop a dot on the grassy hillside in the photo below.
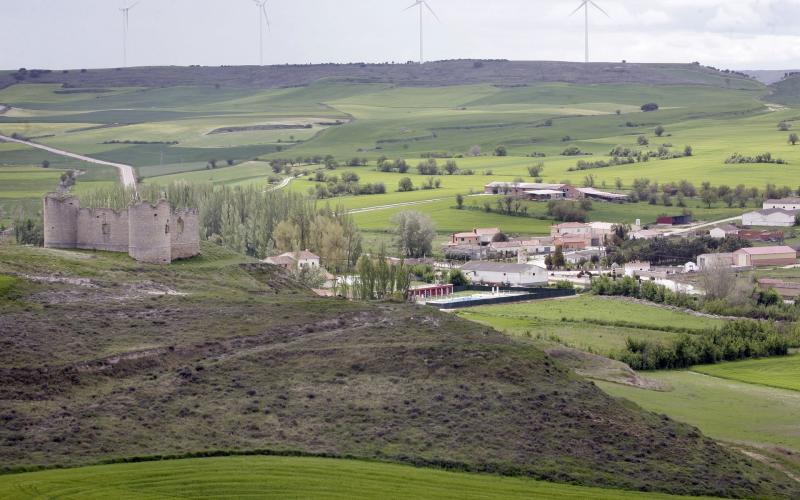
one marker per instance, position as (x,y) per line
(107,358)
(282,477)
(738,412)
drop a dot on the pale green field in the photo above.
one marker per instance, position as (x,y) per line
(574,321)
(284,477)
(783,372)
(722,409)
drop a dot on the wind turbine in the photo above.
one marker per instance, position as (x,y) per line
(585,6)
(422,4)
(125,11)
(262,18)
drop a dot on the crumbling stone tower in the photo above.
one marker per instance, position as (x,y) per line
(149,233)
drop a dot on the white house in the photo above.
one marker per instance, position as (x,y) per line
(501,273)
(724,230)
(303,259)
(784,203)
(644,234)
(690,267)
(770,217)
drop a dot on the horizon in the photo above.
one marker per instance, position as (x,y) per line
(740,35)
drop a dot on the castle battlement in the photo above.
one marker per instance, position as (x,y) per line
(148,232)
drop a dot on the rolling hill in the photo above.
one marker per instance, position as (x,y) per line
(105,358)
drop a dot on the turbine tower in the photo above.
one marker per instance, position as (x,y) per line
(422,5)
(125,11)
(585,6)
(262,19)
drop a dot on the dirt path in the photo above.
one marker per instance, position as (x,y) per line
(403,204)
(285,182)
(698,226)
(127,175)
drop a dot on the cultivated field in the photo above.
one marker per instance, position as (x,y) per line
(783,373)
(284,477)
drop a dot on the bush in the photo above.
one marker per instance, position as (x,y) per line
(650,106)
(405,184)
(572,151)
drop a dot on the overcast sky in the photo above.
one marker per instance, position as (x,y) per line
(736,34)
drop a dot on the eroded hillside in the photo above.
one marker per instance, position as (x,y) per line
(104,358)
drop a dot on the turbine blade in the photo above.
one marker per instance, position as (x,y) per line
(134,4)
(411,6)
(598,8)
(266,17)
(431,10)
(579,7)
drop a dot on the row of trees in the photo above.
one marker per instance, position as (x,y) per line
(247,219)
(735,340)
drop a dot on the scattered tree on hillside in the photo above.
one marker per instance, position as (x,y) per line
(500,151)
(460,201)
(642,141)
(45,164)
(475,150)
(687,150)
(793,138)
(659,131)
(784,126)
(414,233)
(451,167)
(536,170)
(405,184)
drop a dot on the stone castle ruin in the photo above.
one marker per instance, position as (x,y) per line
(154,234)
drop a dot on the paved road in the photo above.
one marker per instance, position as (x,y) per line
(127,175)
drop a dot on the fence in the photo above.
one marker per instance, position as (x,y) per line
(531,294)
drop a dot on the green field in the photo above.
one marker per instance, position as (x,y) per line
(588,322)
(284,477)
(724,409)
(407,122)
(782,373)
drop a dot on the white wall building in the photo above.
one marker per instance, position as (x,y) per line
(784,203)
(776,217)
(634,267)
(501,273)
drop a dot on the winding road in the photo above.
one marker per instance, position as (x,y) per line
(127,175)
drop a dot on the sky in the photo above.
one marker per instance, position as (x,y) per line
(734,34)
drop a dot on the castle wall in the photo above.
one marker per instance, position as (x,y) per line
(149,232)
(103,229)
(184,234)
(60,221)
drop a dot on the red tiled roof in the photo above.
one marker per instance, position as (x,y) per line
(766,250)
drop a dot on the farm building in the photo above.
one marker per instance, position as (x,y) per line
(521,188)
(596,194)
(710,260)
(571,229)
(777,217)
(783,203)
(723,231)
(765,256)
(543,245)
(582,256)
(500,273)
(674,220)
(761,235)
